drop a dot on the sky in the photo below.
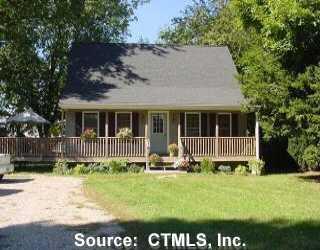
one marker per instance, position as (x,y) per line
(153,16)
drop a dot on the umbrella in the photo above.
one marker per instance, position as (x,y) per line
(27,117)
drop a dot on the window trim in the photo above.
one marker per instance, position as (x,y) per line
(185,122)
(116,120)
(98,120)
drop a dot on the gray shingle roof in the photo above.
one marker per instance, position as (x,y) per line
(103,75)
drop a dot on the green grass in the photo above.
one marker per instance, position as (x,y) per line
(269,212)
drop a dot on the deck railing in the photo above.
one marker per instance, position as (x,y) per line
(219,146)
(73,147)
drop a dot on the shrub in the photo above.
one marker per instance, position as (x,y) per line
(134,168)
(98,168)
(118,166)
(195,168)
(311,157)
(61,167)
(225,169)
(155,159)
(241,170)
(256,167)
(181,164)
(125,133)
(88,134)
(173,149)
(207,166)
(81,169)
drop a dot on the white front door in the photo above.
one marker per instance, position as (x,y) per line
(158,132)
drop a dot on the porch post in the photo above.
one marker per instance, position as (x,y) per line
(216,151)
(107,134)
(257,137)
(180,152)
(147,141)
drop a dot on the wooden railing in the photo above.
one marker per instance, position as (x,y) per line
(73,147)
(199,146)
(134,147)
(219,146)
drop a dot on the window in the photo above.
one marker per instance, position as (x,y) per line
(123,120)
(90,120)
(224,121)
(192,124)
(157,123)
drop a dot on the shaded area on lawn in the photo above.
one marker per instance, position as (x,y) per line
(311,178)
(13,180)
(5,192)
(276,234)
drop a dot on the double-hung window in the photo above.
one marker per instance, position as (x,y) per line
(123,120)
(90,120)
(193,124)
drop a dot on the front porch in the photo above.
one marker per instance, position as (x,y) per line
(219,136)
(137,149)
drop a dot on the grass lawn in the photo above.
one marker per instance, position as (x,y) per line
(269,212)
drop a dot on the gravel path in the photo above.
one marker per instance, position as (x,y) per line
(44,212)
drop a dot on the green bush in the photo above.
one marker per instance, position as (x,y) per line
(311,157)
(225,169)
(207,166)
(117,166)
(98,167)
(195,168)
(61,167)
(134,168)
(241,170)
(257,167)
(81,169)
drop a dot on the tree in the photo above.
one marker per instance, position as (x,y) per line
(36,38)
(275,45)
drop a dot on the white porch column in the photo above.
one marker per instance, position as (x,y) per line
(107,133)
(257,136)
(180,152)
(147,140)
(216,151)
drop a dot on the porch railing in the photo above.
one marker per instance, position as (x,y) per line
(219,146)
(73,147)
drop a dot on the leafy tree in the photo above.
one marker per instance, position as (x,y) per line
(36,37)
(275,45)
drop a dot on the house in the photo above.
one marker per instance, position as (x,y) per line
(186,95)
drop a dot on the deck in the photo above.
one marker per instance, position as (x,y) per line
(137,149)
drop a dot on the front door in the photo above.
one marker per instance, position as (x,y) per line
(158,133)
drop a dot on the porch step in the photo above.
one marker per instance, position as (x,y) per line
(164,171)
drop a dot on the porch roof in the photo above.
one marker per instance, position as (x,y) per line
(136,75)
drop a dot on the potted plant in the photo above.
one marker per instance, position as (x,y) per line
(88,134)
(173,149)
(154,160)
(125,133)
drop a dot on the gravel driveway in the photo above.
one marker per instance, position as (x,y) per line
(44,212)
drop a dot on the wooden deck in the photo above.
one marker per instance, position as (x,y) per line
(73,149)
